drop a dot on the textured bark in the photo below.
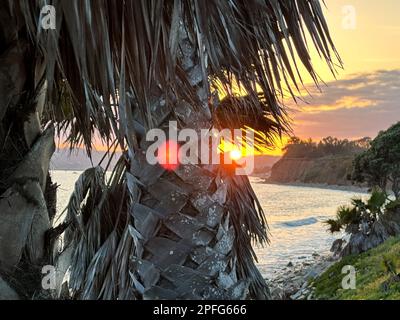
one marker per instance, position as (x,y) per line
(24,161)
(6,292)
(185,241)
(157,234)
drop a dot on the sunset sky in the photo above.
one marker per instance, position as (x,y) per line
(365,97)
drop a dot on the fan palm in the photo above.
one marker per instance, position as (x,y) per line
(118,70)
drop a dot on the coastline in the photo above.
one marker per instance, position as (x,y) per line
(296,280)
(317,185)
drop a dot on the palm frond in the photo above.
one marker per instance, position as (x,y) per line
(84,216)
(97,234)
(334,225)
(98,268)
(377,200)
(250,225)
(240,113)
(106,55)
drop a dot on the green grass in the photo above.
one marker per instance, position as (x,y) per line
(371,275)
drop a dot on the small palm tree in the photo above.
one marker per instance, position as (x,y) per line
(350,217)
(367,223)
(119,69)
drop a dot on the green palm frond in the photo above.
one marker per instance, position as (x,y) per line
(377,200)
(334,225)
(392,205)
(358,203)
(345,216)
(348,215)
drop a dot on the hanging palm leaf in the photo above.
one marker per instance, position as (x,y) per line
(253,43)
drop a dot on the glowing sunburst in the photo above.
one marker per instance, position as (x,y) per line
(235,154)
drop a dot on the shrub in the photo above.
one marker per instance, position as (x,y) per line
(351,217)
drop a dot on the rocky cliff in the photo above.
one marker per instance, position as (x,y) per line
(332,170)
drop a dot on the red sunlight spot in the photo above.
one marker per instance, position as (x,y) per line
(168,155)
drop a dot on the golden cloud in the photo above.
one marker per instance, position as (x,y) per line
(346,102)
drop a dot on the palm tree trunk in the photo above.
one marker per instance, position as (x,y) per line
(24,164)
(190,243)
(187,234)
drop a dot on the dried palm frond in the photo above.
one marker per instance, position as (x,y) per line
(97,213)
(103,55)
(98,268)
(240,113)
(85,223)
(250,224)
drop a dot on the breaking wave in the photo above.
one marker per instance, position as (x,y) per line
(300,222)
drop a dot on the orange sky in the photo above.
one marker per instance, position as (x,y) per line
(365,96)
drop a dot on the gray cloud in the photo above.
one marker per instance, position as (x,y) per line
(358,106)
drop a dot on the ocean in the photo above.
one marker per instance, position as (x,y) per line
(295,216)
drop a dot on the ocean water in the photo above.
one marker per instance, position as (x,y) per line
(295,216)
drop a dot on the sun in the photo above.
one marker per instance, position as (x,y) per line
(235,154)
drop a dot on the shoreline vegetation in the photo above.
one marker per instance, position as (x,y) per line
(327,162)
(320,278)
(370,247)
(376,278)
